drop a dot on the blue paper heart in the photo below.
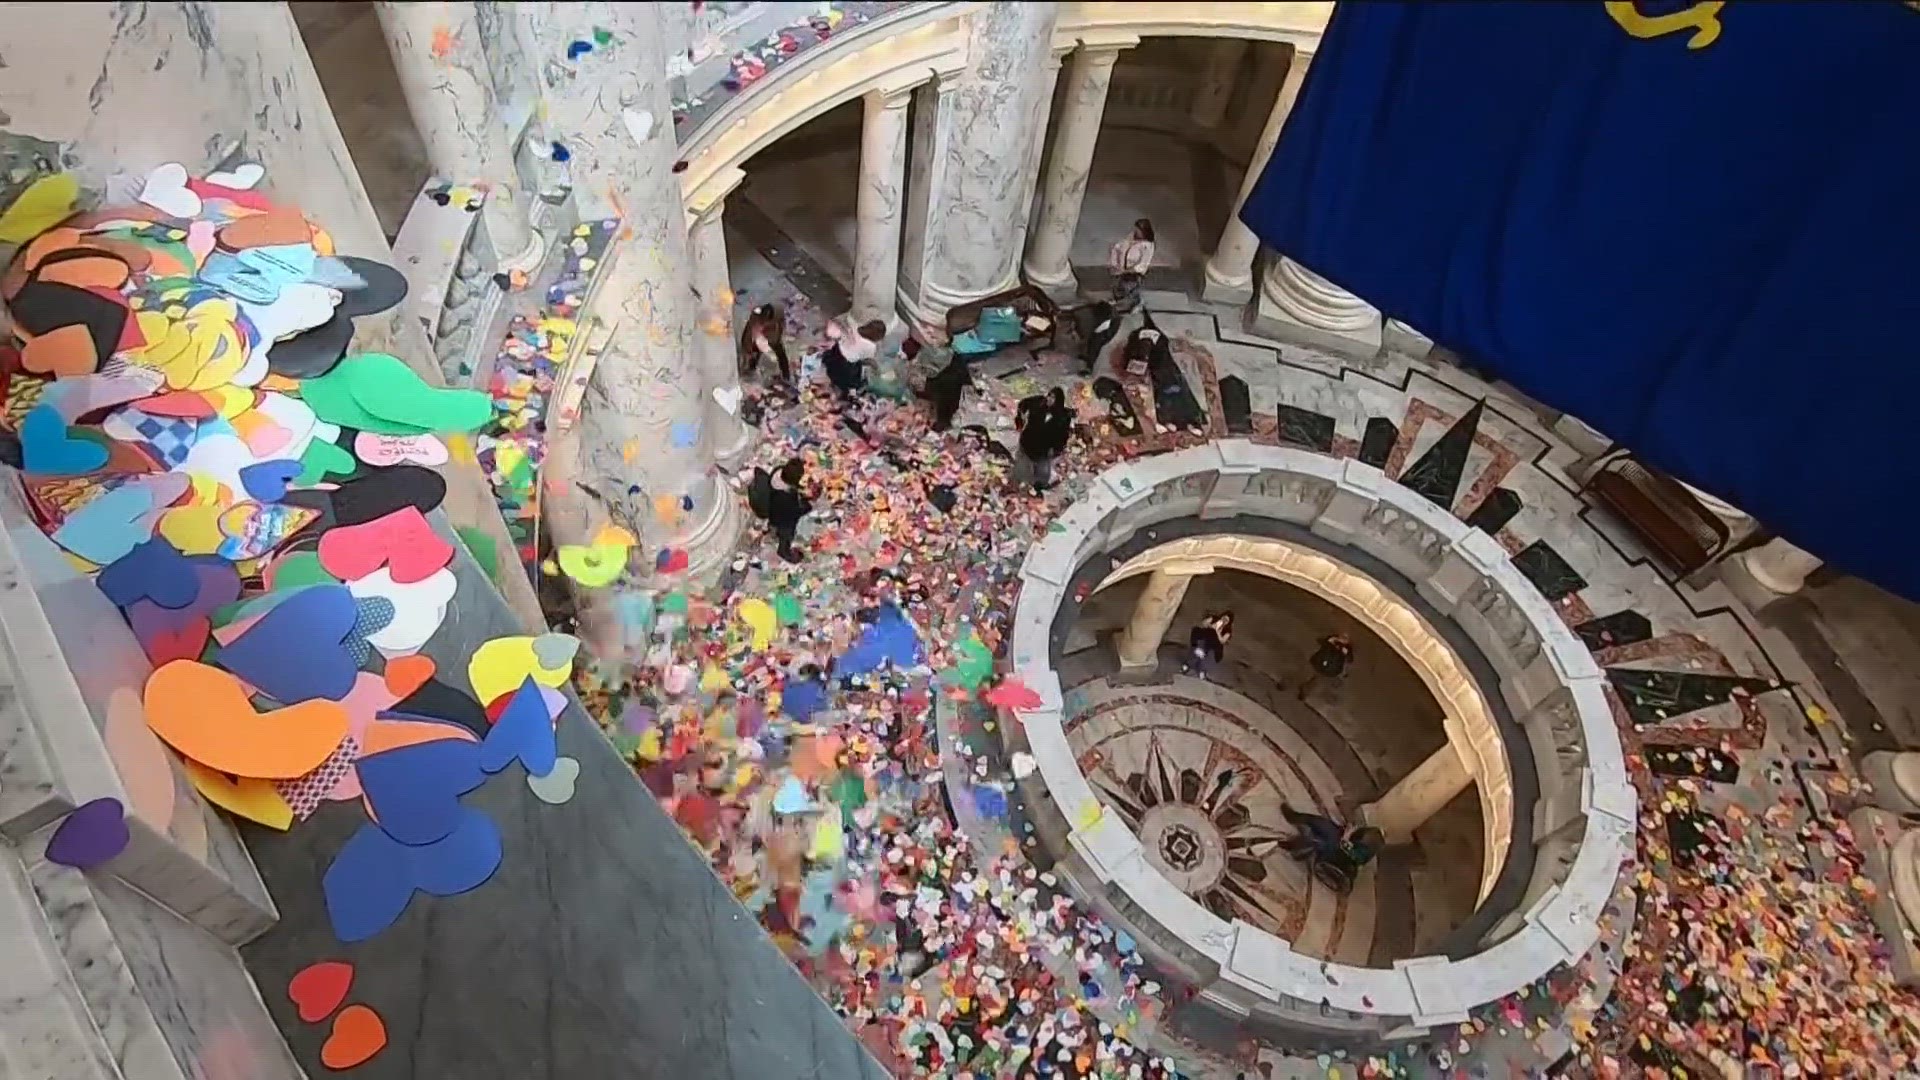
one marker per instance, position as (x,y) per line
(108,527)
(415,790)
(267,481)
(523,733)
(890,640)
(792,798)
(802,698)
(151,571)
(239,279)
(282,264)
(295,652)
(47,450)
(373,878)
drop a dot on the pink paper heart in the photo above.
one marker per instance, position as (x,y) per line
(264,437)
(383,450)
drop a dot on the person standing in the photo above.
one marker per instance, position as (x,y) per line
(787,504)
(1044,423)
(945,388)
(1129,260)
(1329,662)
(1208,642)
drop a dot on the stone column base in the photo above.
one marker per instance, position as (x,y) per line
(1217,288)
(1062,285)
(1271,320)
(731,457)
(528,260)
(1299,305)
(1397,336)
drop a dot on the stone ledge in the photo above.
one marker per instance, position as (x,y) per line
(1560,924)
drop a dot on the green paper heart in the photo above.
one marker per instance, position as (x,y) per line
(298,570)
(321,458)
(380,393)
(787,610)
(481,546)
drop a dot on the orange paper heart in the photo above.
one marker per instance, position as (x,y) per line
(358,1034)
(405,674)
(204,713)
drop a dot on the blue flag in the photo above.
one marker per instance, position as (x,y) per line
(1695,226)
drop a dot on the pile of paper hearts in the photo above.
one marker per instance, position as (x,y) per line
(257,505)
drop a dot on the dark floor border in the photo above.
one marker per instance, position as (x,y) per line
(1511,885)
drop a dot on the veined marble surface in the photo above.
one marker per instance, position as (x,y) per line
(603,947)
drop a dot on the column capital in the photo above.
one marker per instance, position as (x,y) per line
(706,203)
(892,97)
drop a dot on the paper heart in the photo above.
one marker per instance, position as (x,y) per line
(164,636)
(117,521)
(792,798)
(405,674)
(403,542)
(382,450)
(419,608)
(297,306)
(555,651)
(729,399)
(358,1034)
(1023,764)
(93,833)
(267,481)
(373,878)
(639,124)
(318,989)
(890,640)
(151,571)
(75,397)
(166,191)
(48,449)
(524,734)
(294,653)
(323,459)
(1012,694)
(557,786)
(240,178)
(595,565)
(415,790)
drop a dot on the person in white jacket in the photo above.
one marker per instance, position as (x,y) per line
(1129,260)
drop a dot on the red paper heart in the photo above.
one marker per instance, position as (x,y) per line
(1012,694)
(164,635)
(402,542)
(405,674)
(320,988)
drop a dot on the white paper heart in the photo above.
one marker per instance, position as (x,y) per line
(301,306)
(241,178)
(166,191)
(1023,764)
(639,124)
(728,398)
(419,608)
(557,786)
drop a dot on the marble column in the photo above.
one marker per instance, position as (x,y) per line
(719,353)
(445,73)
(1229,271)
(1050,246)
(880,204)
(1153,615)
(1419,795)
(1217,82)
(1299,305)
(972,165)
(1779,566)
(641,453)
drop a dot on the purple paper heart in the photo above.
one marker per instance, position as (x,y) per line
(636,718)
(267,480)
(93,833)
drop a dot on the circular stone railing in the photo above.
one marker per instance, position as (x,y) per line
(1583,822)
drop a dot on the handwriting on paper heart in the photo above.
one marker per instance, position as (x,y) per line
(384,450)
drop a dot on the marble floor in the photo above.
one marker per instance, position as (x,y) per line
(1200,773)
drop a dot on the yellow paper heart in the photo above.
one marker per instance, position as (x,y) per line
(46,202)
(192,530)
(594,566)
(760,619)
(250,798)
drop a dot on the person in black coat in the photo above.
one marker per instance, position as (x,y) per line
(787,504)
(1045,424)
(944,390)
